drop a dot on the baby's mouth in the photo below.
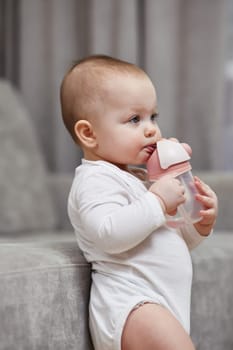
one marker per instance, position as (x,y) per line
(151,148)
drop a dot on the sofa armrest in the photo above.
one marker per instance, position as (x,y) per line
(59,185)
(222,184)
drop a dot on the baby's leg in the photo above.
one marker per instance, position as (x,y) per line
(152,327)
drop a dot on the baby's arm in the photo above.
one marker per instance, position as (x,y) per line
(116,224)
(111,220)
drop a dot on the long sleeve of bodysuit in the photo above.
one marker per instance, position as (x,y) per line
(108,215)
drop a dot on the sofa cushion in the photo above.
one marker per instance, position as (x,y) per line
(26,203)
(44,291)
(212,293)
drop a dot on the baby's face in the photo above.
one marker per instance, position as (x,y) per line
(126,127)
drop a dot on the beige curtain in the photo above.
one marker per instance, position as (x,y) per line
(180,43)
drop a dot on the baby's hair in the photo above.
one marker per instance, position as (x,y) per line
(83,86)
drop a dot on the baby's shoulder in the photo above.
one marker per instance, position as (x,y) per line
(97,173)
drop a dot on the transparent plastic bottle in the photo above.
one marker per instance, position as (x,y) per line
(172,157)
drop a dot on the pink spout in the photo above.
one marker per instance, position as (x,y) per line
(155,170)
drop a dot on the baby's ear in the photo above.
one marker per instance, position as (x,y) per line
(85,133)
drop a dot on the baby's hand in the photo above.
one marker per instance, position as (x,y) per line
(209,201)
(170,193)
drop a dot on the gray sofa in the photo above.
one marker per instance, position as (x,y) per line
(44,279)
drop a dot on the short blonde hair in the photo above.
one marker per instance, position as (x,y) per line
(83,86)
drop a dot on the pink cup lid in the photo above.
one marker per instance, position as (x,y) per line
(169,157)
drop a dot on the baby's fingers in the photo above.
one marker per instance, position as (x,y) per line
(202,187)
(207,202)
(205,190)
(208,216)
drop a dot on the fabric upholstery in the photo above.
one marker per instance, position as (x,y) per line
(26,203)
(212,293)
(44,289)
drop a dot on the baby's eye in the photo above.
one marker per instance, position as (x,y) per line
(135,119)
(154,117)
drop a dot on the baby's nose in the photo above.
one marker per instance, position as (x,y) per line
(150,130)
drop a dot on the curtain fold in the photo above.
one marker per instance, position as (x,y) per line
(202,65)
(180,43)
(162,47)
(9,40)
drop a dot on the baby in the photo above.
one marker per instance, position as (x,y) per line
(141,269)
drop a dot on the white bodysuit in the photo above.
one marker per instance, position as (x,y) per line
(120,227)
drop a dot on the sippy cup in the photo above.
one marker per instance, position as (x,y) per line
(172,158)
